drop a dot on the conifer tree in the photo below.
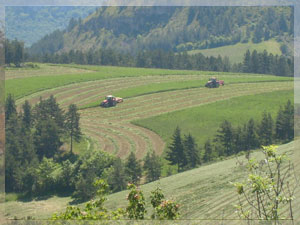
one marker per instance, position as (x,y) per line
(191,151)
(251,137)
(27,115)
(118,179)
(46,138)
(176,154)
(225,137)
(72,124)
(266,129)
(207,151)
(133,168)
(152,167)
(10,107)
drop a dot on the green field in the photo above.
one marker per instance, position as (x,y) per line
(203,193)
(203,121)
(158,100)
(187,84)
(236,52)
(43,80)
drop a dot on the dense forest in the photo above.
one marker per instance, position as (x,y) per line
(37,164)
(132,29)
(254,62)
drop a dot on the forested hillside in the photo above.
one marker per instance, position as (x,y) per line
(131,29)
(31,23)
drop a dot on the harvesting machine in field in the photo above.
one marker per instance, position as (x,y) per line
(214,83)
(110,101)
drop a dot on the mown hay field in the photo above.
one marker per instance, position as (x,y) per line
(156,102)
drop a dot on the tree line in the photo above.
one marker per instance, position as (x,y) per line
(37,163)
(14,52)
(254,62)
(230,140)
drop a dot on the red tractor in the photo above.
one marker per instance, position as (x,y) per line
(214,83)
(110,101)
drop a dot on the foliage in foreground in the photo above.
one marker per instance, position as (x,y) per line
(136,209)
(269,188)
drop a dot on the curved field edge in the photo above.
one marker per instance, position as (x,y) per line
(203,193)
(188,84)
(203,121)
(34,84)
(31,85)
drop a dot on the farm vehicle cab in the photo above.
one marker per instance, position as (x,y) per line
(110,101)
(214,83)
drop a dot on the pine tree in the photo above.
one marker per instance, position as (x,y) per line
(247,62)
(133,168)
(207,151)
(27,115)
(118,179)
(49,108)
(238,140)
(191,151)
(152,167)
(10,107)
(266,129)
(225,137)
(255,63)
(251,137)
(72,124)
(176,154)
(46,138)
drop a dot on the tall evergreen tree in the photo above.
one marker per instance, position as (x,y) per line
(10,107)
(46,138)
(225,137)
(176,154)
(49,108)
(72,124)
(133,168)
(152,167)
(266,129)
(118,179)
(27,115)
(251,137)
(191,151)
(238,139)
(207,151)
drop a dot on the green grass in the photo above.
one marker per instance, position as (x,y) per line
(203,193)
(180,85)
(31,85)
(236,52)
(203,121)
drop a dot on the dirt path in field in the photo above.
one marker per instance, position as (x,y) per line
(111,128)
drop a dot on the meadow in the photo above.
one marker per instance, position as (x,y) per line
(203,193)
(147,93)
(156,101)
(236,52)
(203,121)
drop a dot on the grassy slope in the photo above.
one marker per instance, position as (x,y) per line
(203,193)
(236,52)
(203,121)
(200,82)
(38,83)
